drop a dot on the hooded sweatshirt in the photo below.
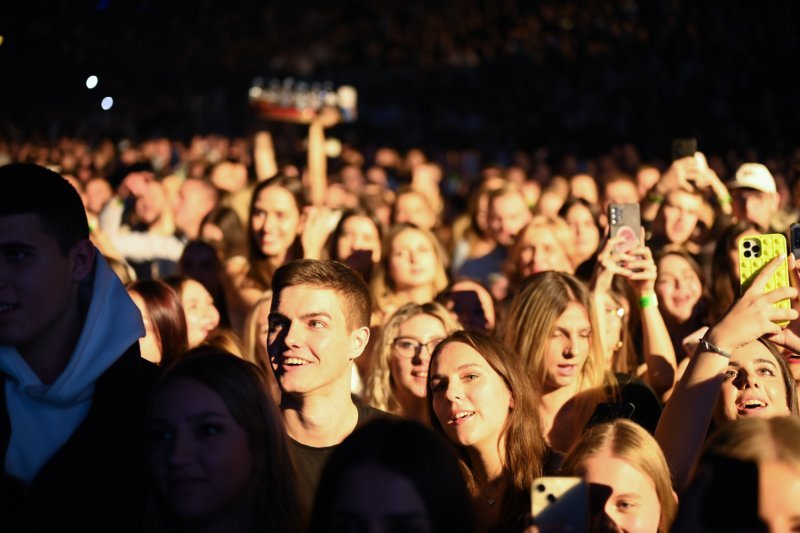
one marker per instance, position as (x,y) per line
(43,417)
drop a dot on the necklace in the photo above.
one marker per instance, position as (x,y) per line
(491,501)
(495,487)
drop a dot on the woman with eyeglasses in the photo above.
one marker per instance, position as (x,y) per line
(398,376)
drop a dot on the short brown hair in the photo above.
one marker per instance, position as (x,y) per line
(351,289)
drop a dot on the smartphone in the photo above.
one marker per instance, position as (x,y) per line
(467,306)
(683,147)
(625,221)
(608,411)
(794,239)
(754,253)
(560,504)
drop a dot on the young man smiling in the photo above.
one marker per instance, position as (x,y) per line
(72,384)
(318,325)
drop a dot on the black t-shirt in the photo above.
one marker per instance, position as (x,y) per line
(310,460)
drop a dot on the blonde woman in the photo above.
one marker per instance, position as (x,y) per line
(546,243)
(398,375)
(550,325)
(412,269)
(625,458)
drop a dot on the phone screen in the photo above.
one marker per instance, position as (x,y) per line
(683,147)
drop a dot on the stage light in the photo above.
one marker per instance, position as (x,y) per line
(107,103)
(91,82)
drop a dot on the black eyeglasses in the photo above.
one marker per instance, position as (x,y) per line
(409,348)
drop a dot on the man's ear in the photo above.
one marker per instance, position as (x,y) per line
(81,258)
(360,338)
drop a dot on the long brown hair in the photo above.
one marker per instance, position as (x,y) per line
(530,322)
(524,443)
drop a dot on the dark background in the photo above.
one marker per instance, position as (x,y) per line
(497,75)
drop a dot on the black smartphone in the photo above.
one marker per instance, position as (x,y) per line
(794,239)
(625,220)
(683,147)
(467,306)
(608,411)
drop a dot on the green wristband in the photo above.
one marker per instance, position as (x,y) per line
(648,300)
(655,198)
(725,200)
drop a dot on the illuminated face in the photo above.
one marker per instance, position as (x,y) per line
(508,214)
(568,347)
(539,250)
(200,457)
(587,236)
(633,504)
(412,260)
(412,207)
(584,186)
(276,221)
(470,400)
(202,317)
(150,206)
(678,288)
(359,233)
(681,210)
(310,344)
(149,346)
(756,206)
(410,368)
(753,386)
(620,192)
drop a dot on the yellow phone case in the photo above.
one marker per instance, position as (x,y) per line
(754,254)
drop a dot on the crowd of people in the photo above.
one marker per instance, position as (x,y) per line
(386,341)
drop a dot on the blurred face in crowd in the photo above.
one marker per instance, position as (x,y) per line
(398,506)
(753,385)
(470,399)
(150,206)
(633,504)
(201,458)
(584,186)
(678,288)
(276,222)
(411,353)
(98,193)
(620,192)
(568,347)
(508,214)
(756,206)
(646,178)
(539,250)
(681,210)
(587,235)
(412,207)
(412,260)
(202,317)
(149,345)
(194,202)
(359,233)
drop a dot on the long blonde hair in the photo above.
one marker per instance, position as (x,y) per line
(379,391)
(531,318)
(383,289)
(630,442)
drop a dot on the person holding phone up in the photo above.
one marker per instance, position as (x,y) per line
(736,372)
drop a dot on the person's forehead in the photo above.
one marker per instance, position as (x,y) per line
(22,227)
(307,299)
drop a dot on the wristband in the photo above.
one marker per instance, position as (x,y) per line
(725,200)
(708,347)
(648,300)
(655,198)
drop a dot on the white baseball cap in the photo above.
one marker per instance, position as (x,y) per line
(754,176)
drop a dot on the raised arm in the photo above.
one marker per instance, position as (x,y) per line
(317,158)
(686,417)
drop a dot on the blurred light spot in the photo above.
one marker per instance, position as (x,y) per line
(91,82)
(1,40)
(107,103)
(102,5)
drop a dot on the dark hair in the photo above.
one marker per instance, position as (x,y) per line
(32,189)
(593,210)
(234,239)
(350,288)
(261,270)
(415,453)
(243,388)
(337,232)
(524,443)
(163,305)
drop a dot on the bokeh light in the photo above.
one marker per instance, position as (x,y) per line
(107,103)
(91,82)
